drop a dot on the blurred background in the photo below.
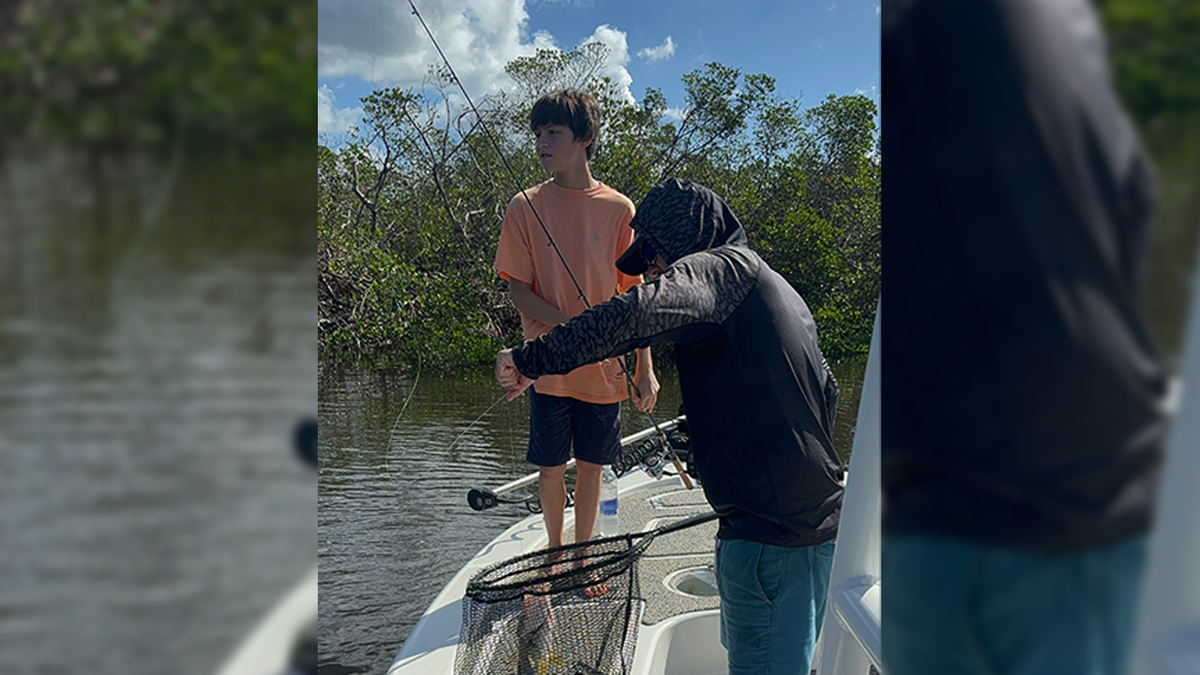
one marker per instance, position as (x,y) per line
(1022,90)
(1154,58)
(157,328)
(157,310)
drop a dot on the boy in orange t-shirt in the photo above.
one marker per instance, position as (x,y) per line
(589,223)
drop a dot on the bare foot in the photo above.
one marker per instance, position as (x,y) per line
(596,588)
(552,567)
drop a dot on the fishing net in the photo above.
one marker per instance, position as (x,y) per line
(570,610)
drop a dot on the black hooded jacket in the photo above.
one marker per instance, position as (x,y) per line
(759,395)
(1023,388)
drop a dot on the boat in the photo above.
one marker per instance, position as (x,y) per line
(678,632)
(284,642)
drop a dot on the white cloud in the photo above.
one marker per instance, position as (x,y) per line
(675,114)
(869,91)
(618,58)
(544,40)
(660,53)
(330,118)
(383,43)
(877,9)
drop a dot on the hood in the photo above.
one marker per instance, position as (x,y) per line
(677,218)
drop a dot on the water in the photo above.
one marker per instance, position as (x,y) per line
(393,520)
(156,347)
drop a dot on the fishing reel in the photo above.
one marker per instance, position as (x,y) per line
(652,454)
(681,444)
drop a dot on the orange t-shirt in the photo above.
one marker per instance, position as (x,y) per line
(591,228)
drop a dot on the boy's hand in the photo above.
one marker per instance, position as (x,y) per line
(645,390)
(508,376)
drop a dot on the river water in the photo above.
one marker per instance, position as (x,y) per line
(399,451)
(157,345)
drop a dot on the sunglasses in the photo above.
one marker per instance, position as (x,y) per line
(649,254)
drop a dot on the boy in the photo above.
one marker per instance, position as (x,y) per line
(589,223)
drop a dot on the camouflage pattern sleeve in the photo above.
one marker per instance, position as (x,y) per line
(688,303)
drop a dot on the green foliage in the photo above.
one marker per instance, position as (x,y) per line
(144,70)
(410,207)
(1155,55)
(551,69)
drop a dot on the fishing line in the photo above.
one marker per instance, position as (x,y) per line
(464,433)
(387,455)
(155,375)
(516,180)
(151,212)
(512,449)
(500,153)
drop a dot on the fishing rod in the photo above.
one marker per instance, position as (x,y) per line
(642,455)
(500,153)
(504,160)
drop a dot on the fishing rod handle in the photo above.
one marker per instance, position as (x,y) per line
(690,521)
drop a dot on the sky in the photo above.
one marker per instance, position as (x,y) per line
(811,48)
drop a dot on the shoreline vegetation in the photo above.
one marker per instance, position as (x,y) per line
(216,76)
(410,203)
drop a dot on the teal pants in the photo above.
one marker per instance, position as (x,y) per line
(772,604)
(955,608)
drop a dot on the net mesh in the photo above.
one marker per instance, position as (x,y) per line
(572,610)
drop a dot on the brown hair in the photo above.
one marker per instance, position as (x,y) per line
(572,108)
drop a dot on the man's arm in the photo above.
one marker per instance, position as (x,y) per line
(535,306)
(685,305)
(645,383)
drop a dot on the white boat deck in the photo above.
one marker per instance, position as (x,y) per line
(644,504)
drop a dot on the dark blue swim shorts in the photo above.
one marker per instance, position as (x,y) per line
(555,421)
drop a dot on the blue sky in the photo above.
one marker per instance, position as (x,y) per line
(812,49)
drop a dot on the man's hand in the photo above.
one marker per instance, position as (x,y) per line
(645,390)
(508,376)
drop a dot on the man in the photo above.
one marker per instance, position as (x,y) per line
(760,400)
(588,224)
(1022,426)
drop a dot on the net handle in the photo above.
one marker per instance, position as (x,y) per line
(648,537)
(690,521)
(496,587)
